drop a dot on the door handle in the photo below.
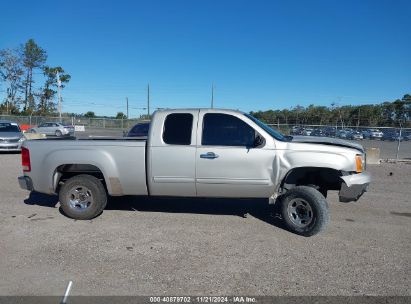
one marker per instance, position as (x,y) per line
(209,155)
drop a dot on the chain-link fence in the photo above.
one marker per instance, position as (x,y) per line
(390,143)
(109,123)
(285,128)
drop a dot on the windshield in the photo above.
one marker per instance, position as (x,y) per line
(272,132)
(7,127)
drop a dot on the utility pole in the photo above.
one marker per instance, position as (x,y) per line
(212,96)
(59,94)
(127,107)
(148,100)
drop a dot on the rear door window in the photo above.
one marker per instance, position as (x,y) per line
(178,128)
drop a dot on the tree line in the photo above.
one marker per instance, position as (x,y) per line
(23,95)
(91,114)
(390,114)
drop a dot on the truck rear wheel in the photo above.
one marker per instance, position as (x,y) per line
(304,210)
(83,197)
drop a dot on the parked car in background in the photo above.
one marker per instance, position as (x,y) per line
(11,136)
(307,131)
(318,132)
(53,128)
(372,134)
(357,135)
(330,131)
(407,135)
(343,133)
(296,130)
(393,135)
(139,130)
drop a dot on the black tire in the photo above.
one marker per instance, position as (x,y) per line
(58,133)
(304,210)
(322,190)
(32,131)
(90,201)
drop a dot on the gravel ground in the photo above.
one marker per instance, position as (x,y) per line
(143,246)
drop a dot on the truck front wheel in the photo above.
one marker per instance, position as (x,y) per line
(83,197)
(304,210)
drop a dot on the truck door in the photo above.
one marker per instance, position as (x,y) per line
(172,152)
(228,161)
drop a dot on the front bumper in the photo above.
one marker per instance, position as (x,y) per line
(25,183)
(354,186)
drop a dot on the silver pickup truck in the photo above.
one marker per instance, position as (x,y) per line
(200,153)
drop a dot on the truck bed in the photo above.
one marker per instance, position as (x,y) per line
(122,161)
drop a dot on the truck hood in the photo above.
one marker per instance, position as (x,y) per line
(327,141)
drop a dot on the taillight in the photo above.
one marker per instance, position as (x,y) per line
(25,159)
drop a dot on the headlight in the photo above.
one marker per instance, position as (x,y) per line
(21,139)
(359,163)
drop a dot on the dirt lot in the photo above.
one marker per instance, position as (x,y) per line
(201,247)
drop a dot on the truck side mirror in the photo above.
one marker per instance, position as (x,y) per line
(258,141)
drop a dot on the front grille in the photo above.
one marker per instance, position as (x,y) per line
(8,147)
(9,140)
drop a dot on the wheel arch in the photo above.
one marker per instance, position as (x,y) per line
(83,160)
(65,171)
(322,177)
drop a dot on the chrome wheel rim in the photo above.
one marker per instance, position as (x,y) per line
(80,198)
(300,212)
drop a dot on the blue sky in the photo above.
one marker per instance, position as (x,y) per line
(259,54)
